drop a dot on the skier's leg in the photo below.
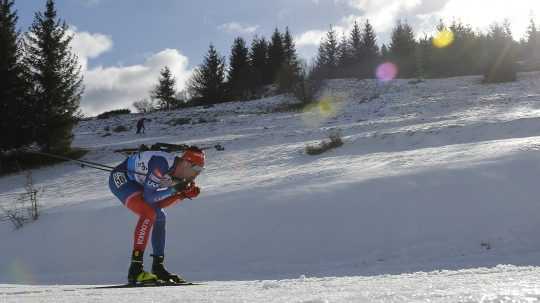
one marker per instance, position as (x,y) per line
(158,233)
(147,217)
(158,244)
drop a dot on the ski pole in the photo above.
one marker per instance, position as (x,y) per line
(94,165)
(83,163)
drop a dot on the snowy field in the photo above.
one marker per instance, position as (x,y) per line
(500,284)
(436,186)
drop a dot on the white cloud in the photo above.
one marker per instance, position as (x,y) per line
(238,28)
(482,13)
(382,13)
(426,13)
(87,45)
(312,37)
(116,87)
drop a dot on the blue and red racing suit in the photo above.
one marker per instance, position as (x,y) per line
(143,185)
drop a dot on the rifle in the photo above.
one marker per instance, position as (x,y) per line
(165,147)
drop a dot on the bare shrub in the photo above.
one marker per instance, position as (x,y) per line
(145,106)
(24,207)
(179,121)
(334,140)
(119,129)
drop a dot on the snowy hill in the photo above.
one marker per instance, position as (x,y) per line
(441,174)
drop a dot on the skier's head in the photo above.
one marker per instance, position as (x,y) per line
(190,164)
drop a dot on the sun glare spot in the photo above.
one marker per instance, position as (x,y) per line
(443,39)
(386,71)
(326,108)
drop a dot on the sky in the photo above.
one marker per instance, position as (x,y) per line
(123,44)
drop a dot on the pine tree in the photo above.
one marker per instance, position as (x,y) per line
(437,60)
(344,57)
(14,108)
(355,42)
(258,59)
(464,50)
(291,56)
(502,54)
(56,77)
(289,74)
(206,85)
(403,49)
(370,51)
(385,52)
(239,74)
(276,54)
(327,58)
(532,47)
(165,91)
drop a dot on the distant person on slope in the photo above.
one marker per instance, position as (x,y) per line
(140,125)
(146,183)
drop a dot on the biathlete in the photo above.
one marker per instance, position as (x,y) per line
(146,183)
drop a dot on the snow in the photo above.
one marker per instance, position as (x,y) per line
(499,284)
(434,188)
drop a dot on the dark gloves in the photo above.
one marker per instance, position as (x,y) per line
(192,191)
(181,185)
(187,189)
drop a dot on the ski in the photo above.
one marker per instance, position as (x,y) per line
(149,284)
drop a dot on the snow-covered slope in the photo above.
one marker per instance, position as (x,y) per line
(430,176)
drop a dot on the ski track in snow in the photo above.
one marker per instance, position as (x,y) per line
(499,284)
(428,173)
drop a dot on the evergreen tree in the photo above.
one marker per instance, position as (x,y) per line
(291,56)
(327,58)
(424,53)
(532,46)
(403,49)
(437,60)
(276,54)
(344,57)
(385,52)
(355,42)
(206,85)
(258,59)
(465,51)
(289,74)
(501,48)
(165,91)
(14,108)
(370,51)
(239,74)
(56,78)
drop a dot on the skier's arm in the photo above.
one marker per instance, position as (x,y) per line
(157,170)
(190,192)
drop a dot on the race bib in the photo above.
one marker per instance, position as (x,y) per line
(119,179)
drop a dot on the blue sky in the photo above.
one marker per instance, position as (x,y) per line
(124,43)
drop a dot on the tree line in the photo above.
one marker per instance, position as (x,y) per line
(250,69)
(494,54)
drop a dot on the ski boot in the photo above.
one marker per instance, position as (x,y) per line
(162,274)
(136,274)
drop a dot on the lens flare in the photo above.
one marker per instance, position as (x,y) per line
(387,71)
(19,273)
(317,114)
(443,39)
